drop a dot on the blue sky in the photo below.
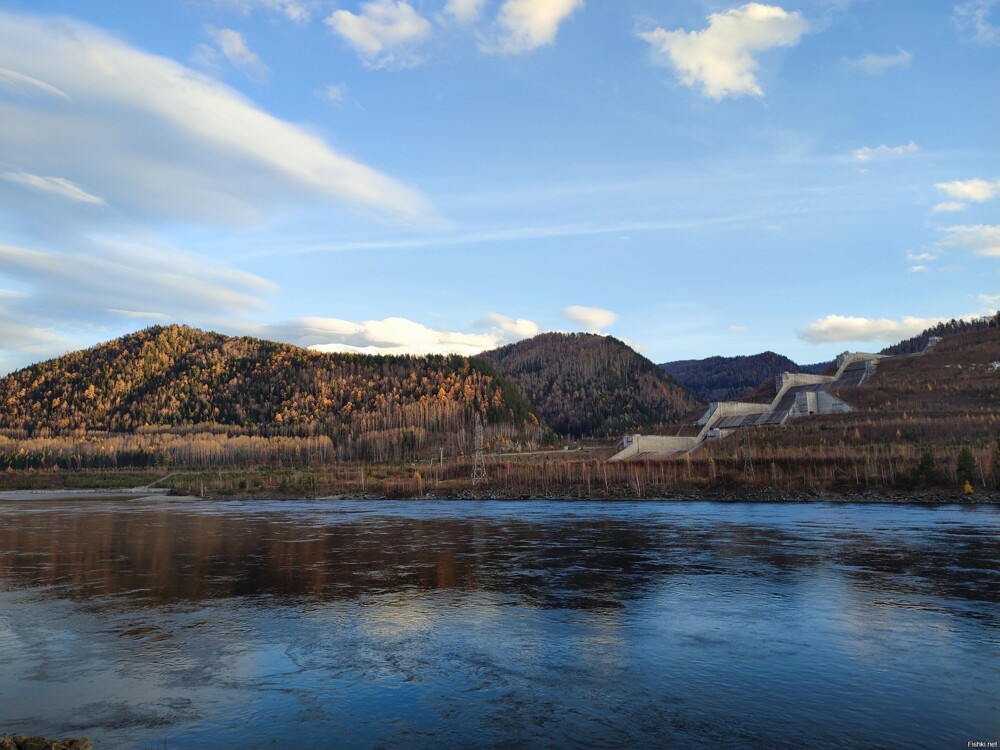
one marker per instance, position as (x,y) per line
(694,177)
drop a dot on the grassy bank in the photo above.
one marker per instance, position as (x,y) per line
(717,474)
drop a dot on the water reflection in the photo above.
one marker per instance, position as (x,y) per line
(164,553)
(498,624)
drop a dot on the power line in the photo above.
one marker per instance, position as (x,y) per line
(479,463)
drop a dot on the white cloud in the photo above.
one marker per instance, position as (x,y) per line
(195,149)
(19,83)
(233,47)
(382,32)
(722,58)
(840,328)
(963,192)
(917,269)
(977,21)
(526,25)
(982,239)
(593,319)
(509,328)
(396,335)
(387,336)
(464,11)
(883,152)
(913,257)
(874,65)
(734,328)
(59,186)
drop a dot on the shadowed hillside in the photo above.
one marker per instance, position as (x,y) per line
(583,384)
(733,378)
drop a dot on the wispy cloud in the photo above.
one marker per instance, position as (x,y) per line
(950,207)
(981,239)
(19,83)
(843,328)
(232,46)
(978,22)
(874,65)
(58,186)
(964,192)
(593,319)
(101,284)
(883,152)
(333,92)
(80,284)
(526,25)
(177,163)
(722,58)
(529,232)
(299,11)
(464,11)
(383,33)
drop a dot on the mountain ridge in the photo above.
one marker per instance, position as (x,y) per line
(722,378)
(588,385)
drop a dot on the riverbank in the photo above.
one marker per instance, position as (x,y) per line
(566,480)
(682,494)
(34,742)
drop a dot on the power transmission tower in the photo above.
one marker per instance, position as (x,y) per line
(479,463)
(747,459)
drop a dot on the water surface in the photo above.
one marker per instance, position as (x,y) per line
(500,624)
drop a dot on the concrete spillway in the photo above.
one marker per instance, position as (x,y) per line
(797,395)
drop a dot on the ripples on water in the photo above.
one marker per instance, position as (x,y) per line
(542,624)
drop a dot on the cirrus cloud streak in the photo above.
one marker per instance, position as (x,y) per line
(203,151)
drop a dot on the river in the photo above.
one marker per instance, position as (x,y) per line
(156,623)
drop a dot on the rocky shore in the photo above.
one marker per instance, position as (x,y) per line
(35,742)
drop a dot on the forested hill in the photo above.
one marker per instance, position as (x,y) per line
(583,384)
(918,343)
(732,378)
(183,376)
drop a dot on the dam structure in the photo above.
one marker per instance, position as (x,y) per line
(797,395)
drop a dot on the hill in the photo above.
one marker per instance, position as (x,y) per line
(177,376)
(919,342)
(733,378)
(585,385)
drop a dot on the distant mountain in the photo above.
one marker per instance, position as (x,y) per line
(178,376)
(733,378)
(583,384)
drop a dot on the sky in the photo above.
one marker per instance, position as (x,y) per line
(694,177)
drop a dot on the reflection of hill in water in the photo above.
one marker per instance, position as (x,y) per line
(161,554)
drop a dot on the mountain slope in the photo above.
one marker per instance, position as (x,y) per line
(731,378)
(583,384)
(918,343)
(182,376)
